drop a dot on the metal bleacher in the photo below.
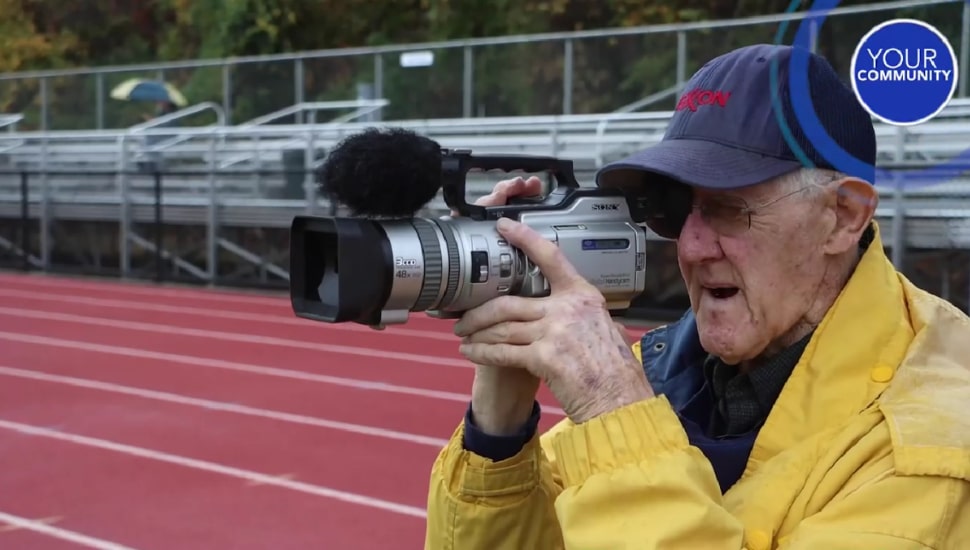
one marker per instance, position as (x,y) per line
(240,167)
(236,150)
(219,176)
(243,164)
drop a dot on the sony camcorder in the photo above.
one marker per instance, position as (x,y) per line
(376,271)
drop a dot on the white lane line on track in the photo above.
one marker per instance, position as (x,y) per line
(159,328)
(58,533)
(148,288)
(369,385)
(215,468)
(223,406)
(266,318)
(232,366)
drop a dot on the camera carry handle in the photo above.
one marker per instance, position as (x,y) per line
(456,163)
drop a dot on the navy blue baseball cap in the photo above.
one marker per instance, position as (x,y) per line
(725,134)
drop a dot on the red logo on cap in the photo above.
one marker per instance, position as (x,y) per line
(696,98)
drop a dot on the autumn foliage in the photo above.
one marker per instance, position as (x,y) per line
(508,80)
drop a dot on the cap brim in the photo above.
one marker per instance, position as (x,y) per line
(697,163)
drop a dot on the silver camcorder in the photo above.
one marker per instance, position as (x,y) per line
(377,271)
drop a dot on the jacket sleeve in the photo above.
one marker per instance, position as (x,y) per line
(477,503)
(626,479)
(631,479)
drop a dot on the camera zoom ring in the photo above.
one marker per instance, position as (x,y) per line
(431,249)
(454,266)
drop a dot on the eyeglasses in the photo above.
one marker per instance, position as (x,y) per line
(727,215)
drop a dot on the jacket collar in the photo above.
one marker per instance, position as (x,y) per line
(849,361)
(853,355)
(672,359)
(926,404)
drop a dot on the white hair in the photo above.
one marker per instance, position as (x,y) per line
(813,180)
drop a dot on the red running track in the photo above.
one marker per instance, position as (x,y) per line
(138,416)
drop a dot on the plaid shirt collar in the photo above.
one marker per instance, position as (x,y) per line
(742,401)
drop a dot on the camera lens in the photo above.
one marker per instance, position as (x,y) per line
(423,248)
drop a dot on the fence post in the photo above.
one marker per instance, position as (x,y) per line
(964,49)
(227,91)
(298,89)
(567,77)
(468,82)
(681,61)
(159,268)
(25,220)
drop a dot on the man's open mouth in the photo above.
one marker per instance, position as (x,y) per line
(722,292)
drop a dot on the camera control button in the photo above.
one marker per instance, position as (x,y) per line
(505,265)
(479,266)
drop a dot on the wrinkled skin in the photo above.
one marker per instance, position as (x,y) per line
(505,335)
(788,267)
(568,339)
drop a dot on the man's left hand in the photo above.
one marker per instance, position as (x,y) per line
(567,339)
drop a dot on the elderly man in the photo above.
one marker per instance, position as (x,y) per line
(811,398)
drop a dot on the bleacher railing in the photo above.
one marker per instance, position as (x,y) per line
(590,141)
(197,227)
(76,98)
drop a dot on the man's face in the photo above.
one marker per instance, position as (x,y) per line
(750,285)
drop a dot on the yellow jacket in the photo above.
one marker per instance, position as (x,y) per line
(867,447)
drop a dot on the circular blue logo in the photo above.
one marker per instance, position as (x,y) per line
(807,118)
(904,72)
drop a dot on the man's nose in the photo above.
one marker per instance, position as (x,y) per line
(697,241)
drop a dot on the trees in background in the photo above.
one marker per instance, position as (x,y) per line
(508,80)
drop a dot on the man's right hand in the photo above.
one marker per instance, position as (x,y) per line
(502,397)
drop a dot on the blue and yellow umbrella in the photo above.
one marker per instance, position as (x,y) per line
(141,89)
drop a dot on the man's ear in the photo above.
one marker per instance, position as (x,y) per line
(855,205)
